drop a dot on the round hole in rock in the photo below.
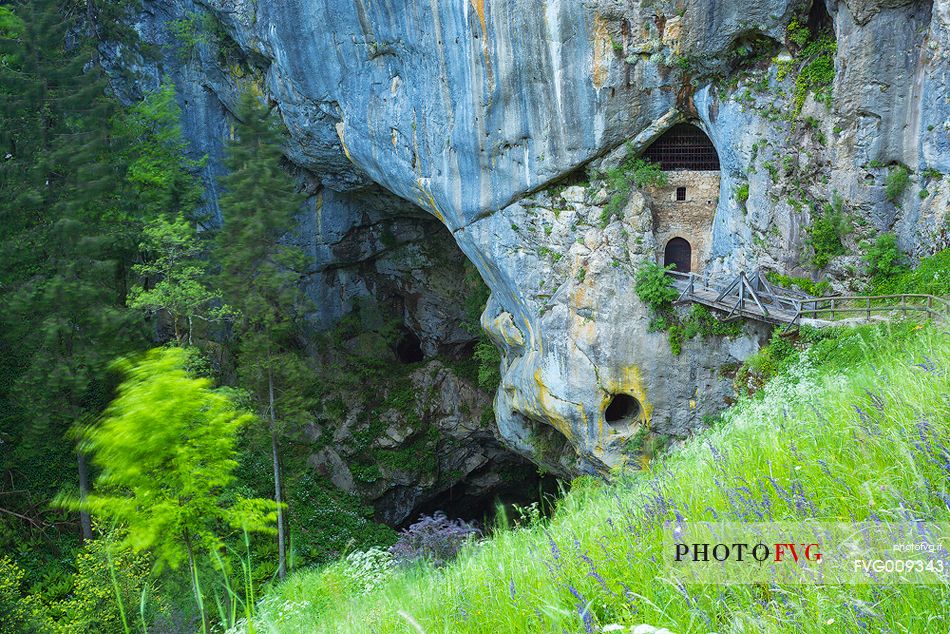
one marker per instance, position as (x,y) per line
(409,348)
(621,407)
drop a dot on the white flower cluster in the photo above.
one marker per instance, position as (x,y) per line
(367,569)
(794,388)
(270,609)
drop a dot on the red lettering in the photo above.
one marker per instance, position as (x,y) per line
(780,551)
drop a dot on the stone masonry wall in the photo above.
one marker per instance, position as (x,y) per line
(690,219)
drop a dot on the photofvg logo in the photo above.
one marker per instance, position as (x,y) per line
(807,552)
(742,551)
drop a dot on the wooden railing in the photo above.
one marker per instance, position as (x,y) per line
(756,298)
(866,306)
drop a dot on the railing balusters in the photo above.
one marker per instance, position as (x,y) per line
(803,305)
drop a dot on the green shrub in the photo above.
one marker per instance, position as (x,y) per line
(797,32)
(675,334)
(658,323)
(634,170)
(328,522)
(654,287)
(765,364)
(826,233)
(21,612)
(489,364)
(817,289)
(883,257)
(709,326)
(817,74)
(699,322)
(896,182)
(105,571)
(930,277)
(647,174)
(742,193)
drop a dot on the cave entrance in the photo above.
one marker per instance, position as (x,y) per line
(679,254)
(621,408)
(517,483)
(409,348)
(684,147)
(818,17)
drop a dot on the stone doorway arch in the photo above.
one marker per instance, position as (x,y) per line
(678,253)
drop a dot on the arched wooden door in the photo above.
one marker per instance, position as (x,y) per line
(679,254)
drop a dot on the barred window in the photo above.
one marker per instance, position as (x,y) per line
(684,147)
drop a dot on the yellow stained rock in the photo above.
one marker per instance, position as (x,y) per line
(601,47)
(545,402)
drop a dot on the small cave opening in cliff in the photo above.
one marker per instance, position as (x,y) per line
(621,408)
(818,17)
(519,484)
(409,348)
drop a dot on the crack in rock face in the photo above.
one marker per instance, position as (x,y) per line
(483,113)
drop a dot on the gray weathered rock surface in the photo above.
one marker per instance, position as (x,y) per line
(468,110)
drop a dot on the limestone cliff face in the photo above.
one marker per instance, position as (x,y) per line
(470,110)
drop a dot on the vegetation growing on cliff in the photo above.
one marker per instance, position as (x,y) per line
(813,64)
(896,182)
(861,391)
(632,171)
(655,289)
(826,233)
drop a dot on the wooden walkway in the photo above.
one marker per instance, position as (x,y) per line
(754,297)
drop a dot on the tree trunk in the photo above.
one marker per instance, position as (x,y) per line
(196,586)
(275,454)
(84,520)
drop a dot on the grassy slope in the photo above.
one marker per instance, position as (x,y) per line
(854,430)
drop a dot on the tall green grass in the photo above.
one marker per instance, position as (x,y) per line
(857,429)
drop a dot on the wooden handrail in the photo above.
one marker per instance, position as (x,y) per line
(798,304)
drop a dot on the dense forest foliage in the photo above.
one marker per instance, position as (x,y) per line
(138,486)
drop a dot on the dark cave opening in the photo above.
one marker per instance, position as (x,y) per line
(470,499)
(818,17)
(409,348)
(621,407)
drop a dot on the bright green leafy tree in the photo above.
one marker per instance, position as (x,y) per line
(166,448)
(180,276)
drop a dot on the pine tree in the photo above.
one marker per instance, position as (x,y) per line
(73,198)
(261,278)
(63,295)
